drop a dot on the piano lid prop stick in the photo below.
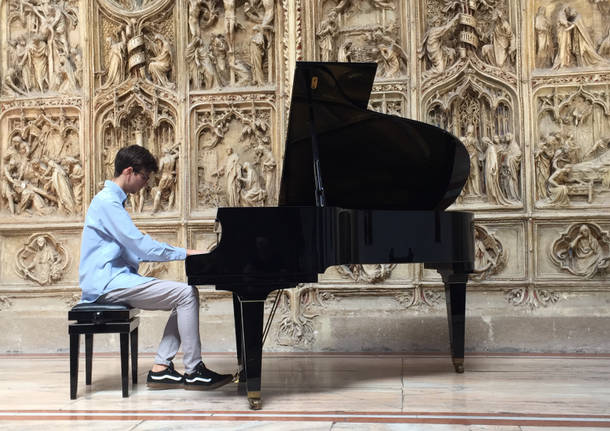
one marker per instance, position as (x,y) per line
(311,84)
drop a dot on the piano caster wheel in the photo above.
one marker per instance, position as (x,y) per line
(255,403)
(458,364)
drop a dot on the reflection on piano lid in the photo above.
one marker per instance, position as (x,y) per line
(368,160)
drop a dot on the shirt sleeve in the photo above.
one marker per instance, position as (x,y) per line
(120,226)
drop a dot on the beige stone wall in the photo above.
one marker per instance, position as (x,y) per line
(525,84)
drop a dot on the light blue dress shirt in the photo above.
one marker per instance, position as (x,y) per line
(112,247)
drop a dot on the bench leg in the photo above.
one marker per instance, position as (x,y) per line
(134,356)
(125,363)
(74,347)
(88,357)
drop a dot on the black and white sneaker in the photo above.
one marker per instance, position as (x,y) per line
(203,379)
(166,379)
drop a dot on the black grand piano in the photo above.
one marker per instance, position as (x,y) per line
(357,187)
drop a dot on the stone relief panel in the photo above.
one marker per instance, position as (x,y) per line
(39,261)
(577,251)
(531,296)
(43,48)
(140,45)
(137,115)
(572,160)
(232,44)
(482,114)
(500,253)
(571,34)
(234,157)
(41,167)
(583,250)
(298,309)
(362,31)
(489,254)
(42,260)
(468,33)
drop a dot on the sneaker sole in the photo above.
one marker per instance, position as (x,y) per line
(194,387)
(159,385)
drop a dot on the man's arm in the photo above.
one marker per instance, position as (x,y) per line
(119,225)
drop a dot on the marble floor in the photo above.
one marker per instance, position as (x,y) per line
(320,392)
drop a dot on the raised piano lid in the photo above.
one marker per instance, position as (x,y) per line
(368,159)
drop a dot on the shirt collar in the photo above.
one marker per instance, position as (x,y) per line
(116,190)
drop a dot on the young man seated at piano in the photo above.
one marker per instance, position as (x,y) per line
(112,248)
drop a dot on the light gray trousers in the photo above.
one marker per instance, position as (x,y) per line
(183,323)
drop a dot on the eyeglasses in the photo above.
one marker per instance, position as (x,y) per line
(144,176)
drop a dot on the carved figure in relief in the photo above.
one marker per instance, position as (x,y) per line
(41,260)
(344,54)
(468,6)
(219,48)
(585,253)
(230,23)
(513,167)
(502,46)
(269,6)
(573,39)
(433,49)
(75,172)
(544,41)
(473,185)
(489,255)
(390,54)
(492,172)
(391,57)
(8,194)
(252,194)
(167,182)
(37,50)
(232,173)
(371,273)
(116,60)
(195,9)
(604,46)
(582,250)
(62,187)
(66,78)
(542,158)
(558,190)
(258,48)
(264,158)
(326,34)
(161,64)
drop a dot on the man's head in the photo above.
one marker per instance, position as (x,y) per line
(133,166)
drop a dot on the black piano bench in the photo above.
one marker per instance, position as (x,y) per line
(103,319)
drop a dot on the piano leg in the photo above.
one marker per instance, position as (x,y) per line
(252,347)
(455,278)
(241,373)
(455,294)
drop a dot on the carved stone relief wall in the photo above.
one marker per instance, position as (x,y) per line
(205,86)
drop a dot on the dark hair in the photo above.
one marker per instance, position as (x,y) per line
(136,156)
